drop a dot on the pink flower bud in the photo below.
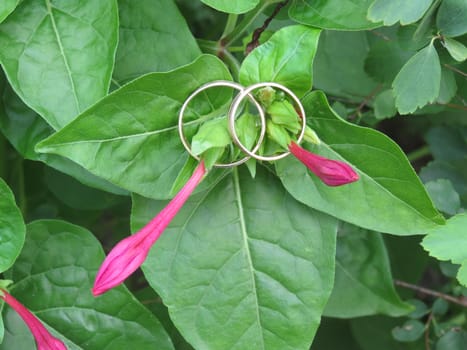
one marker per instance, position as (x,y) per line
(44,340)
(331,172)
(131,252)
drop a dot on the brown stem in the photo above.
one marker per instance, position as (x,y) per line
(254,43)
(427,332)
(452,105)
(365,101)
(462,301)
(454,69)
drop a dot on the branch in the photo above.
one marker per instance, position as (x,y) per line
(462,301)
(254,43)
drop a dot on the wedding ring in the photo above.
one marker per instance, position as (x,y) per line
(232,116)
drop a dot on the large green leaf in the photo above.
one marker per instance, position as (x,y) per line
(279,61)
(53,278)
(402,11)
(12,228)
(243,265)
(418,82)
(339,65)
(388,197)
(59,55)
(232,6)
(451,18)
(333,14)
(24,128)
(444,243)
(130,137)
(363,285)
(151,35)
(6,7)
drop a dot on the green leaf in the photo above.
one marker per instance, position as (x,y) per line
(418,82)
(59,56)
(363,284)
(339,65)
(451,18)
(229,6)
(387,179)
(153,37)
(453,340)
(448,142)
(443,243)
(448,86)
(12,228)
(385,106)
(211,134)
(277,60)
(24,128)
(7,7)
(53,278)
(243,265)
(130,137)
(333,14)
(410,331)
(444,196)
(456,49)
(391,12)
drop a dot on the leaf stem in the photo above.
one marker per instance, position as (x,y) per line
(454,69)
(230,24)
(427,331)
(418,153)
(462,301)
(228,58)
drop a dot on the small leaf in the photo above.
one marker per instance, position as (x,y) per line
(385,106)
(410,331)
(59,56)
(451,18)
(53,278)
(443,243)
(234,279)
(453,340)
(420,309)
(456,49)
(333,14)
(418,82)
(229,6)
(444,196)
(143,24)
(391,12)
(448,86)
(12,228)
(440,307)
(387,179)
(363,283)
(211,134)
(279,61)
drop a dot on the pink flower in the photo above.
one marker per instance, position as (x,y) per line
(131,252)
(331,172)
(44,340)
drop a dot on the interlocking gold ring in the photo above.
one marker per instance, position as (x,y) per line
(231,116)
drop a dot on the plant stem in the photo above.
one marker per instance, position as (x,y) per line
(454,69)
(247,20)
(213,48)
(427,332)
(3,156)
(418,153)
(230,24)
(462,301)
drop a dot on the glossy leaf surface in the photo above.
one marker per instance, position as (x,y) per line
(6,7)
(391,12)
(229,6)
(53,278)
(418,82)
(444,243)
(278,61)
(150,35)
(363,284)
(243,265)
(130,137)
(386,178)
(59,56)
(333,14)
(12,228)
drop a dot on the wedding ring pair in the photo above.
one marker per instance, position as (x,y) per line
(231,117)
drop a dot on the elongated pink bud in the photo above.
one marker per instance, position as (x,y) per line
(331,172)
(44,340)
(131,252)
